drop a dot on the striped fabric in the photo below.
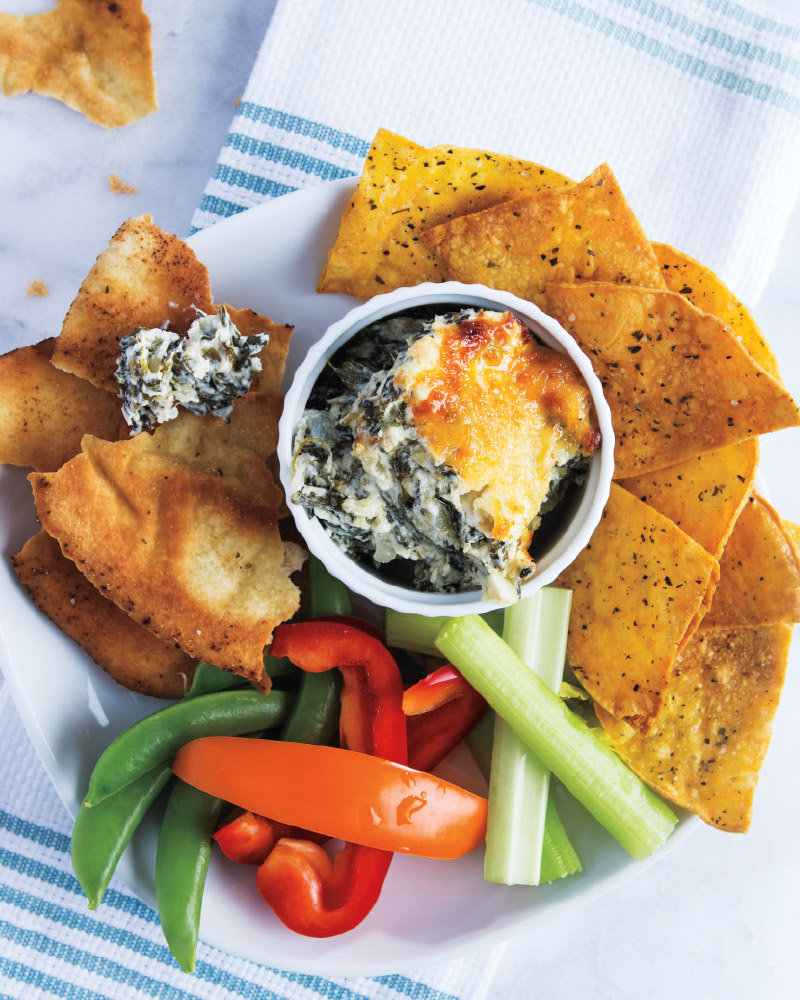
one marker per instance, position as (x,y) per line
(694,103)
(52,945)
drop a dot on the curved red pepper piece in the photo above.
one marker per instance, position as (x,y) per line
(444,710)
(308,892)
(249,838)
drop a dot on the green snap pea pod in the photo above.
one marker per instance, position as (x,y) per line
(182,856)
(101,834)
(315,715)
(157,738)
(208,678)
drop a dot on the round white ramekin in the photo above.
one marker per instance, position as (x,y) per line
(564,547)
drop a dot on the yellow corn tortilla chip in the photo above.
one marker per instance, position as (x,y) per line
(145,277)
(708,743)
(406,188)
(639,588)
(186,546)
(583,232)
(759,580)
(45,412)
(693,280)
(677,380)
(95,57)
(703,495)
(133,656)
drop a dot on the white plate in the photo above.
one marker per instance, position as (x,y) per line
(268,259)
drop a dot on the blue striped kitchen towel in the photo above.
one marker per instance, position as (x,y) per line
(51,945)
(694,103)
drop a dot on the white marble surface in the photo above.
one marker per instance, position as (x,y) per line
(720,916)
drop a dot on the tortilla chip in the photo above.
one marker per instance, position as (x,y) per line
(639,588)
(677,380)
(133,656)
(690,278)
(702,495)
(583,232)
(145,277)
(709,742)
(759,580)
(94,57)
(405,188)
(186,547)
(44,412)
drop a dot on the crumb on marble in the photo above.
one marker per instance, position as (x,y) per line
(119,186)
(37,289)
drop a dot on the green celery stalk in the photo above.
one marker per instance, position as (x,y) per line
(559,857)
(536,630)
(417,633)
(592,772)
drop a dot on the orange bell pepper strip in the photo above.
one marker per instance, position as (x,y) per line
(348,795)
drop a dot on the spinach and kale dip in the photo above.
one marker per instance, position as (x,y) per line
(203,371)
(443,441)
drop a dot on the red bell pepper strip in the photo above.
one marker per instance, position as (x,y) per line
(306,895)
(248,838)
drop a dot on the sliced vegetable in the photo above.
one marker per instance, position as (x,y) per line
(418,632)
(594,774)
(208,678)
(184,849)
(353,796)
(156,738)
(441,709)
(536,630)
(248,838)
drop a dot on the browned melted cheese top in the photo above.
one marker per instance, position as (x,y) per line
(499,408)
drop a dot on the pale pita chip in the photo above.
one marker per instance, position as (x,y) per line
(586,232)
(95,57)
(639,589)
(126,650)
(703,495)
(45,412)
(190,550)
(693,280)
(145,277)
(708,743)
(677,380)
(406,188)
(759,580)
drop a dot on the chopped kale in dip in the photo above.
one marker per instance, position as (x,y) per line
(203,371)
(391,453)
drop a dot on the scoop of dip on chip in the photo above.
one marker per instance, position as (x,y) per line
(444,442)
(204,371)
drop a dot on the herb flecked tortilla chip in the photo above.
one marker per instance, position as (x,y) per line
(584,232)
(94,56)
(45,412)
(693,280)
(126,650)
(406,188)
(759,581)
(703,495)
(640,587)
(677,380)
(145,277)
(708,743)
(184,540)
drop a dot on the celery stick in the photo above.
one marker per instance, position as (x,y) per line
(536,629)
(559,857)
(595,775)
(418,632)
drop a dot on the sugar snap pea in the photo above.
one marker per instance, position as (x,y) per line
(157,738)
(208,678)
(101,834)
(182,856)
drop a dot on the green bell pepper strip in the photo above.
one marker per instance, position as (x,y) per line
(182,856)
(156,738)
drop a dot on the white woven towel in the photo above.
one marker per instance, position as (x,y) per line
(694,103)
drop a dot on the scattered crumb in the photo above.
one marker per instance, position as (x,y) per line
(37,289)
(238,101)
(120,187)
